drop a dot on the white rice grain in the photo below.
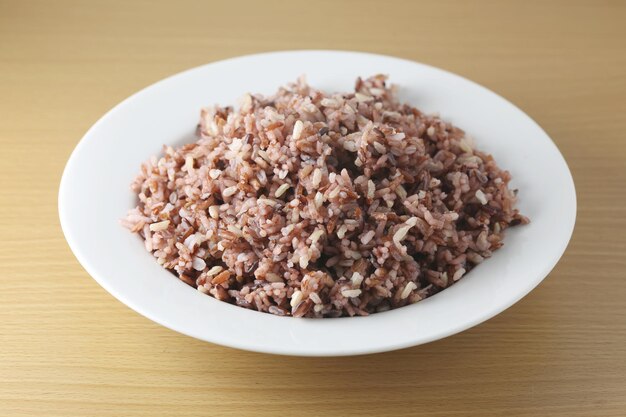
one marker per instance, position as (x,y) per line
(296,297)
(159,226)
(367,237)
(407,290)
(317,178)
(350,293)
(480,196)
(315,298)
(198,264)
(272,277)
(214,270)
(316,235)
(319,199)
(214,212)
(230,191)
(281,190)
(298,127)
(458,274)
(356,280)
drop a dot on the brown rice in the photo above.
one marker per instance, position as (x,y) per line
(318,205)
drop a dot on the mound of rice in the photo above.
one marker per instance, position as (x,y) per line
(306,204)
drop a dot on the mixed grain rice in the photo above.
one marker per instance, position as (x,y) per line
(306,204)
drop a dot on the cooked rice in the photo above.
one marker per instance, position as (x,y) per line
(315,205)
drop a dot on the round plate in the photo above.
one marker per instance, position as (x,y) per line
(94,195)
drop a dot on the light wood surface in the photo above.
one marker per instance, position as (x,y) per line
(68,348)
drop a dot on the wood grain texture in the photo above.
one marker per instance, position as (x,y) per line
(67,348)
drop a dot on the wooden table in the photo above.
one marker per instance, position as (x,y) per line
(68,348)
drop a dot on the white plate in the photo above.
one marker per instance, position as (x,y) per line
(94,195)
